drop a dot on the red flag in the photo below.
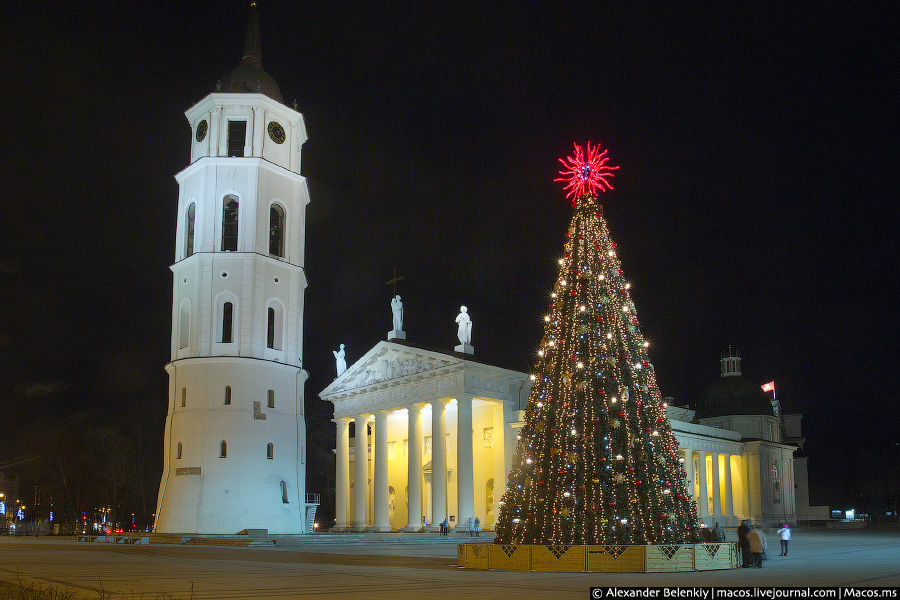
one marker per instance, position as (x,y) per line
(768,387)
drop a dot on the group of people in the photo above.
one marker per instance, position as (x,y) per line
(474,526)
(753,543)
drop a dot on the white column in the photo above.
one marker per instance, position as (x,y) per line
(342,474)
(729,505)
(438,464)
(217,131)
(501,440)
(465,474)
(703,497)
(689,470)
(382,521)
(414,466)
(361,480)
(259,132)
(717,497)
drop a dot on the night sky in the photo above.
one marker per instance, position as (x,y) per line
(754,205)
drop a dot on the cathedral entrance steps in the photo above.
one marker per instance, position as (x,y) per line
(334,539)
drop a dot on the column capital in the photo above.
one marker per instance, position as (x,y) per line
(416,406)
(345,420)
(364,416)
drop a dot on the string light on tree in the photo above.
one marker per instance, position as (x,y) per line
(596,461)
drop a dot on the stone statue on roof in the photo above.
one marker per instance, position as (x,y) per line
(340,361)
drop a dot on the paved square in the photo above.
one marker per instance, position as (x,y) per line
(398,571)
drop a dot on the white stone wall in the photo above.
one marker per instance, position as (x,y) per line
(242,490)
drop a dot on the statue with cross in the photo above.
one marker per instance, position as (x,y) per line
(397,332)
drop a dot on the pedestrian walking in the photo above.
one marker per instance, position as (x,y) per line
(785,533)
(445,527)
(758,546)
(744,542)
(477,527)
(470,526)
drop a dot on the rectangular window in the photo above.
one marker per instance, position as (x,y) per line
(237,135)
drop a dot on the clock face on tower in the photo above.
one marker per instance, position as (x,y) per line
(201,130)
(276,132)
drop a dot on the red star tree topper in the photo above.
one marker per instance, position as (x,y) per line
(585,173)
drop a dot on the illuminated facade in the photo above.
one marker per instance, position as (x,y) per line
(739,464)
(397,395)
(235,438)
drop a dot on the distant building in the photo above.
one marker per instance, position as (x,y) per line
(9,488)
(740,463)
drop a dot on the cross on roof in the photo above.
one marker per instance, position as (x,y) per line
(393,282)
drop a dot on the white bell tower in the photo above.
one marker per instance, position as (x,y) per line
(235,442)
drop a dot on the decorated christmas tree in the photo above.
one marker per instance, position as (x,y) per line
(596,461)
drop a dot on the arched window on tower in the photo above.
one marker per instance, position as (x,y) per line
(184,324)
(276,230)
(178,451)
(270,399)
(183,397)
(270,451)
(230,208)
(227,320)
(284,497)
(274,325)
(189,230)
(223,449)
(227,395)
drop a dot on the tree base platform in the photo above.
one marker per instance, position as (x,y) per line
(632,558)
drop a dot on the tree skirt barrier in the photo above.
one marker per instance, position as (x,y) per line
(635,558)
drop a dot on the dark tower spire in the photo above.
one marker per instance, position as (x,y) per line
(252,47)
(249,76)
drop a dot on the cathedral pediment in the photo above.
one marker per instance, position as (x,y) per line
(388,361)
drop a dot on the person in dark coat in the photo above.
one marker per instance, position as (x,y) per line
(744,541)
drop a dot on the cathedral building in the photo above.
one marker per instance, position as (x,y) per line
(738,458)
(403,400)
(235,436)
